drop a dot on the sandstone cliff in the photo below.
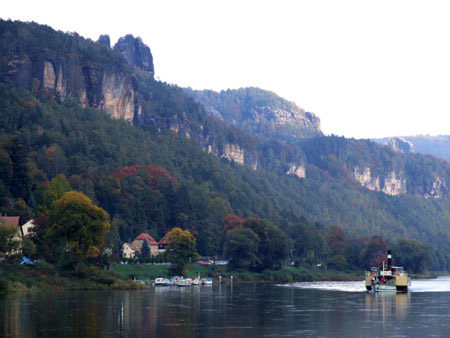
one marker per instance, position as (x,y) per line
(68,66)
(258,112)
(401,145)
(135,52)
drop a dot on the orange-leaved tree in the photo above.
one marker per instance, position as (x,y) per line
(77,227)
(182,250)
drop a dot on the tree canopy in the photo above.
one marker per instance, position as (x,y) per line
(77,225)
(181,250)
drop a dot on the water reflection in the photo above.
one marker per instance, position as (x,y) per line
(222,311)
(389,306)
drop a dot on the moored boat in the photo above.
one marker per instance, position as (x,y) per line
(161,282)
(184,282)
(206,281)
(387,278)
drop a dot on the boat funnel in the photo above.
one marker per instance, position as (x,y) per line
(389,259)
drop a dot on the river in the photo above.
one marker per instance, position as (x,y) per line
(322,309)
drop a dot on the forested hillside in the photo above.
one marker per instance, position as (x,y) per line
(169,168)
(259,112)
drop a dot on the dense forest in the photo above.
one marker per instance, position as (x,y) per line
(150,178)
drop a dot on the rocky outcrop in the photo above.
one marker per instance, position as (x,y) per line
(392,184)
(282,117)
(104,40)
(364,177)
(400,145)
(438,189)
(258,112)
(135,52)
(234,152)
(297,170)
(104,86)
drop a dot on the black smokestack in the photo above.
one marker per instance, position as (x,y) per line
(389,257)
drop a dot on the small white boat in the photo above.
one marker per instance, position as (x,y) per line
(184,282)
(176,279)
(195,282)
(206,281)
(161,282)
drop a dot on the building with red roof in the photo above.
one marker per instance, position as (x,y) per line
(164,242)
(138,243)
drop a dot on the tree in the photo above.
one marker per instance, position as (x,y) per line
(232,222)
(145,252)
(41,226)
(375,253)
(181,250)
(56,189)
(77,225)
(275,247)
(241,247)
(413,255)
(9,242)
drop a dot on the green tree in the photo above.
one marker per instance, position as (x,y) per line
(181,250)
(413,255)
(9,242)
(145,252)
(79,226)
(56,189)
(275,247)
(241,247)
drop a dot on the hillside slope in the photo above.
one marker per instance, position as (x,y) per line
(160,171)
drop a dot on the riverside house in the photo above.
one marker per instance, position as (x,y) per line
(130,250)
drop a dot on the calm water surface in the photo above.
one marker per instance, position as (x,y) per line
(326,309)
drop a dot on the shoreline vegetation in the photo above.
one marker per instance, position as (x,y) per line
(46,277)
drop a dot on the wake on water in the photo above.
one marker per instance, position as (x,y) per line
(440,284)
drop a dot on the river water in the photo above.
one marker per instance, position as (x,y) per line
(322,309)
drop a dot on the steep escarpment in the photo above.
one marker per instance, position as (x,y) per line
(68,66)
(249,126)
(136,53)
(259,112)
(378,168)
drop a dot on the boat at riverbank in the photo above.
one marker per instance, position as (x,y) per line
(387,278)
(184,282)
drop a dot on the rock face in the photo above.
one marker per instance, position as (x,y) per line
(234,152)
(258,112)
(297,170)
(103,86)
(437,189)
(400,145)
(135,52)
(104,40)
(393,184)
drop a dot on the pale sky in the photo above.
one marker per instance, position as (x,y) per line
(366,68)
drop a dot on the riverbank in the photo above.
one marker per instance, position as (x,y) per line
(284,275)
(46,277)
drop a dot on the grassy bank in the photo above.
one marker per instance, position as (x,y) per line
(284,275)
(46,277)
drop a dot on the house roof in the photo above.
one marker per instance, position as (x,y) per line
(128,245)
(10,220)
(165,240)
(147,237)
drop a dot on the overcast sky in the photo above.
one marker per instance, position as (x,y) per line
(366,68)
